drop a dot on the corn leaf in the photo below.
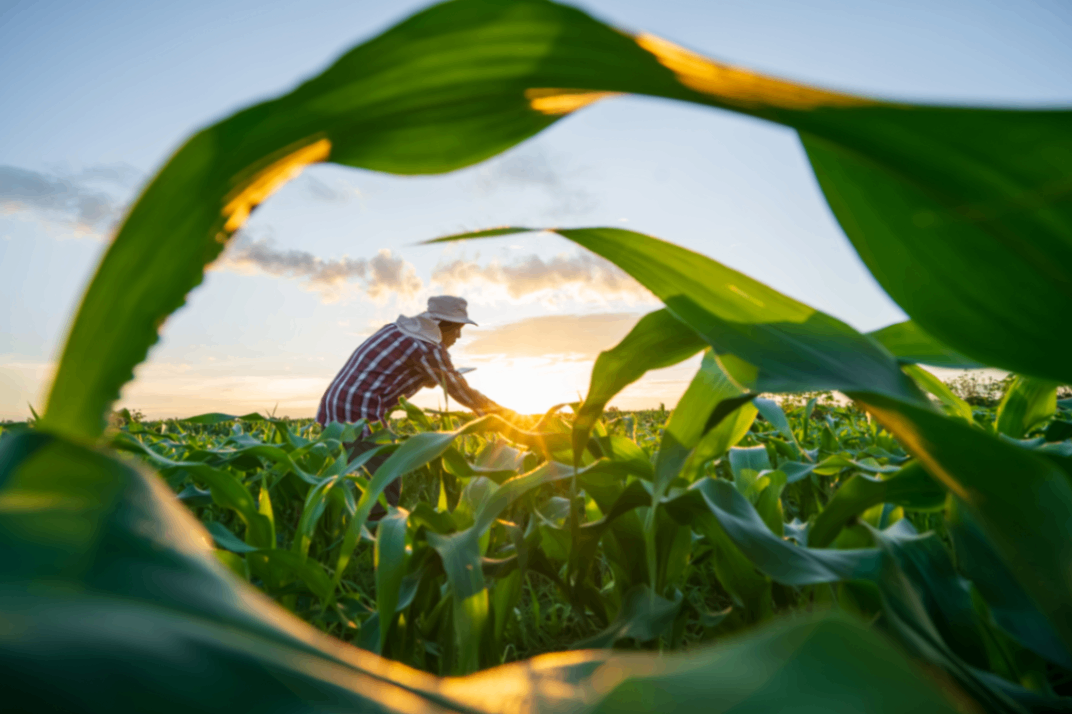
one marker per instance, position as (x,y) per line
(780,560)
(1028,402)
(1022,500)
(910,487)
(911,345)
(390,561)
(1012,609)
(658,340)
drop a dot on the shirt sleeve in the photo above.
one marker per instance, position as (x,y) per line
(436,365)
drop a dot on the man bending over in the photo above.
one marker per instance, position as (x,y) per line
(397,361)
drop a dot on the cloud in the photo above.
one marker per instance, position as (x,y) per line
(379,277)
(581,273)
(77,199)
(576,336)
(331,189)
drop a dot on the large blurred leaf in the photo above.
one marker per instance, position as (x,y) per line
(963,217)
(817,666)
(911,345)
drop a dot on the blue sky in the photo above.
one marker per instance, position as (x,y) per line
(97,95)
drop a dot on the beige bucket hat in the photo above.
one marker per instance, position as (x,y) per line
(449,308)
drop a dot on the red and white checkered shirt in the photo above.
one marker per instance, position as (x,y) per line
(389,365)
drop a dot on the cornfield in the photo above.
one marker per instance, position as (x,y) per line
(908,550)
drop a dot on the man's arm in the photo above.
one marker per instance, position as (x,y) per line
(436,364)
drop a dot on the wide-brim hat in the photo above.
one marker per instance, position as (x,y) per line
(449,309)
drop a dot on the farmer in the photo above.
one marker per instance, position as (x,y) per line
(397,361)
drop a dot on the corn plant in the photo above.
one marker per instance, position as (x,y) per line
(961,215)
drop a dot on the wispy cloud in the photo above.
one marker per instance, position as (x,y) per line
(584,274)
(86,200)
(330,188)
(530,168)
(378,277)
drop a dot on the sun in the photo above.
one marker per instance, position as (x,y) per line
(529,385)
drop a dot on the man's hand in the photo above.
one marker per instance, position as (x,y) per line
(499,410)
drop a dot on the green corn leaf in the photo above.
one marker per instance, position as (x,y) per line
(233,562)
(710,397)
(911,345)
(228,492)
(769,501)
(308,571)
(924,586)
(795,470)
(752,458)
(1028,402)
(910,487)
(1012,609)
(944,595)
(927,381)
(718,441)
(772,411)
(750,590)
(416,414)
(312,510)
(264,507)
(780,560)
(503,599)
(692,418)
(228,540)
(643,617)
(390,562)
(1022,500)
(658,340)
(627,454)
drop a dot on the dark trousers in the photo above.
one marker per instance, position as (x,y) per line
(393,489)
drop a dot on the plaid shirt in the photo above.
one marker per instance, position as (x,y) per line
(389,365)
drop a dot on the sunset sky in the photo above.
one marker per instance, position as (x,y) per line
(96,96)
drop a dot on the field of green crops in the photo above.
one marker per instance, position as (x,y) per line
(813,475)
(907,548)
